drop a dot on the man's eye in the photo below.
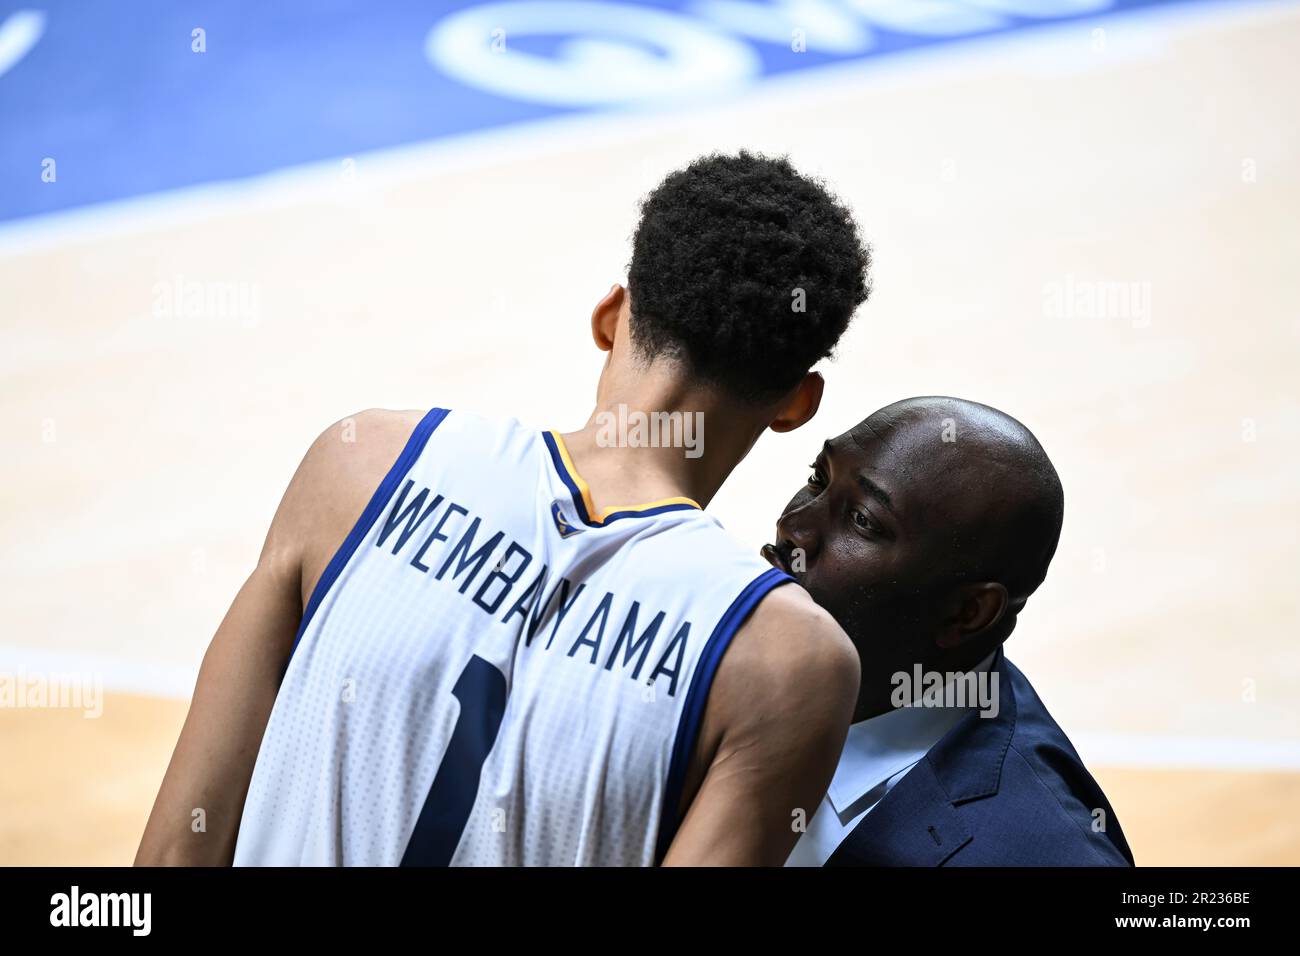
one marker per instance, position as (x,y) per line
(861,519)
(815,479)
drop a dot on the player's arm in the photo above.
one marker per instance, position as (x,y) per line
(774,726)
(213,761)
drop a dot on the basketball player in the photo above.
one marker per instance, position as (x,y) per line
(461,645)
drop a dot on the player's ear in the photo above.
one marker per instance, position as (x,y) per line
(801,405)
(979,607)
(604,317)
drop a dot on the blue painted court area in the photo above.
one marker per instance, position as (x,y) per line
(107,100)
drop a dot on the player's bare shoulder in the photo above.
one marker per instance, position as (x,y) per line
(337,477)
(790,677)
(792,647)
(780,704)
(361,444)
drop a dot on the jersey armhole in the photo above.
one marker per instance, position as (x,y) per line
(378,501)
(697,696)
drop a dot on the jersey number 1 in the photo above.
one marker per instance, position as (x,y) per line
(481,691)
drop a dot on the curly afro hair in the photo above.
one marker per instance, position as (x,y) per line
(727,252)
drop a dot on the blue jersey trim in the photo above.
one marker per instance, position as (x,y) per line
(616,515)
(693,711)
(580,504)
(563,472)
(414,445)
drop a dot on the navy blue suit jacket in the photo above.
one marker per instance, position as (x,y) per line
(1008,790)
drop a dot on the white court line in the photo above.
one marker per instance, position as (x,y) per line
(566,135)
(1054,44)
(1151,751)
(1148,751)
(114,673)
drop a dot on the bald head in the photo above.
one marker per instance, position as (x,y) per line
(983,478)
(923,530)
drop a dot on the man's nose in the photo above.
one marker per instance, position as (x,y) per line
(796,533)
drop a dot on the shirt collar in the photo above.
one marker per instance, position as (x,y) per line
(882,746)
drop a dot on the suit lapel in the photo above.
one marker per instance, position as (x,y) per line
(914,825)
(918,823)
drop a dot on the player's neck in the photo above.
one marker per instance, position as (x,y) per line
(651,443)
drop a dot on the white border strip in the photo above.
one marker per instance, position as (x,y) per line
(114,673)
(1153,752)
(1139,751)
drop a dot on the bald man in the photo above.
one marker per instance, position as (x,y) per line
(924,531)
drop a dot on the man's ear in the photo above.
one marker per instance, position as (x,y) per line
(604,317)
(802,404)
(979,607)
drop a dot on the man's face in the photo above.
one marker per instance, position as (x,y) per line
(866,538)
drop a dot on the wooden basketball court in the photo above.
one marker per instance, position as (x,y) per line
(1098,238)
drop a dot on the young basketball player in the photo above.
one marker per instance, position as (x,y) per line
(504,663)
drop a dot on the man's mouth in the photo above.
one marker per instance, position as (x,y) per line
(775,558)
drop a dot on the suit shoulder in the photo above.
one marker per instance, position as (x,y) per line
(1058,774)
(1069,825)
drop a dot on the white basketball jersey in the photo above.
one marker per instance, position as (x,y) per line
(490,673)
